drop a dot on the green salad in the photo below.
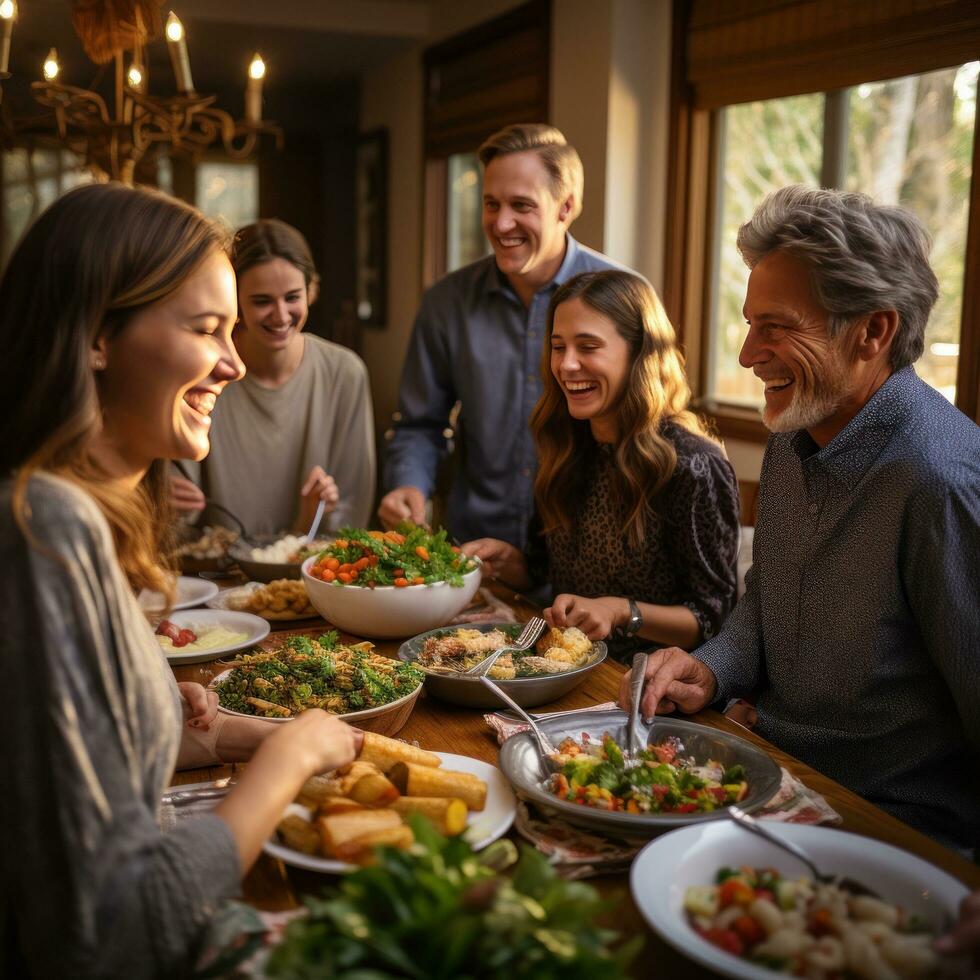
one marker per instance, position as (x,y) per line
(407,557)
(658,781)
(320,673)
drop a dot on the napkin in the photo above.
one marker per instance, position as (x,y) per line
(485,607)
(580,853)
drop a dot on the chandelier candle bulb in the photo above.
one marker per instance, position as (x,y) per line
(177,43)
(51,68)
(8,11)
(134,77)
(253,91)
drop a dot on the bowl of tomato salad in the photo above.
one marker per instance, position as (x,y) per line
(390,584)
(685,773)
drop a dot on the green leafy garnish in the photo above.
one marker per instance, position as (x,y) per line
(443,912)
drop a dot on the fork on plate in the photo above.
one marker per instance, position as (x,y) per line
(526,639)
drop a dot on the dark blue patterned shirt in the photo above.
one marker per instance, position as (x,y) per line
(475,342)
(860,626)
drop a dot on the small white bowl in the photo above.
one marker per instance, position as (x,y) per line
(387,612)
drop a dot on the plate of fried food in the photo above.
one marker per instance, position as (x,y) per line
(559,661)
(339,818)
(282,601)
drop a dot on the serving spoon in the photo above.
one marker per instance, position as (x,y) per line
(315,526)
(761,830)
(634,742)
(546,749)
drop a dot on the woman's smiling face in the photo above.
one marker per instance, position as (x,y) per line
(273,300)
(590,360)
(166,367)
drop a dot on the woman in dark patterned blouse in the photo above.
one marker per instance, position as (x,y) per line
(637,507)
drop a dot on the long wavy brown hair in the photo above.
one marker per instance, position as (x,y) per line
(91,261)
(656,394)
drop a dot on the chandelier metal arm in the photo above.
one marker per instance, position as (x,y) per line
(113,142)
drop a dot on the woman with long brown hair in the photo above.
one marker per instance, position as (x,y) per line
(299,427)
(116,313)
(637,507)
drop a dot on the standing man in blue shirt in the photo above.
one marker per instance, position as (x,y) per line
(859,630)
(478,339)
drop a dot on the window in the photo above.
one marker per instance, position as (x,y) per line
(476,83)
(906,141)
(31,180)
(465,241)
(229,191)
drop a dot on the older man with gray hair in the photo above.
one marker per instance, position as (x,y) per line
(860,628)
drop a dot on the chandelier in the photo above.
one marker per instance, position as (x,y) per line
(112,137)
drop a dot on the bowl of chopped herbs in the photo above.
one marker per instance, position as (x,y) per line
(373,692)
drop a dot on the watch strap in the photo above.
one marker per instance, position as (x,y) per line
(635,623)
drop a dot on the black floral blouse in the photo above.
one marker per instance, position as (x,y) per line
(687,558)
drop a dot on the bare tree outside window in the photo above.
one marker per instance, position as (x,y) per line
(909,141)
(465,241)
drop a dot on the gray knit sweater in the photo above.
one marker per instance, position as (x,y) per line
(90,730)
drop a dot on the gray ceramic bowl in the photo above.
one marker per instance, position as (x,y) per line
(528,692)
(521,764)
(261,571)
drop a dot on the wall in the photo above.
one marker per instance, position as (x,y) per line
(609,83)
(392,97)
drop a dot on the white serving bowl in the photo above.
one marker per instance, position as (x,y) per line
(692,856)
(387,612)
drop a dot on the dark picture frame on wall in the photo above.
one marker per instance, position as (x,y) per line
(371,192)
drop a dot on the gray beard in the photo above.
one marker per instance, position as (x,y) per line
(814,407)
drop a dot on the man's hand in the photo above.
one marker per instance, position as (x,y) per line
(674,679)
(596,618)
(500,560)
(186,496)
(402,504)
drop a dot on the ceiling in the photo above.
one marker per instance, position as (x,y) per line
(305,43)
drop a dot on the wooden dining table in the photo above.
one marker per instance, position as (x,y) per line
(435,725)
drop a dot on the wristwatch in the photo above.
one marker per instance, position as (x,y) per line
(635,623)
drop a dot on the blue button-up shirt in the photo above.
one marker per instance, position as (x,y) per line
(475,342)
(860,625)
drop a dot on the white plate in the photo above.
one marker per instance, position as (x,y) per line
(254,627)
(191,591)
(692,856)
(224,599)
(483,828)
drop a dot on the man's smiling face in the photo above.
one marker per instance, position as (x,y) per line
(806,372)
(523,222)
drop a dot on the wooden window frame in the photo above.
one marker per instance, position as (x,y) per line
(693,182)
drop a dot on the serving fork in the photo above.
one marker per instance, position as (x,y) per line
(526,639)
